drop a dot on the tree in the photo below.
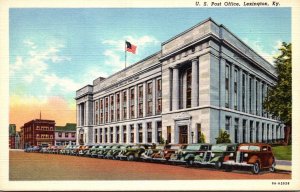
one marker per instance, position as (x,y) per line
(224,137)
(279,100)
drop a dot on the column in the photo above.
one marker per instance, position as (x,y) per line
(115,107)
(128,130)
(144,132)
(154,132)
(254,95)
(195,89)
(121,133)
(153,96)
(144,99)
(103,135)
(114,134)
(240,90)
(231,89)
(175,90)
(135,101)
(108,134)
(128,103)
(247,93)
(78,115)
(259,133)
(108,108)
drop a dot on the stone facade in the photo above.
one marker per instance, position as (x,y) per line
(202,81)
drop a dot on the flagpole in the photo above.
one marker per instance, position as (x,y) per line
(125,54)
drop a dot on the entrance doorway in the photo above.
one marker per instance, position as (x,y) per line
(183,136)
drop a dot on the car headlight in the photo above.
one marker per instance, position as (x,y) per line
(212,155)
(231,155)
(246,155)
(165,152)
(201,154)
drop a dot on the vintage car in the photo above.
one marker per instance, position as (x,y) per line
(187,155)
(73,150)
(59,149)
(216,155)
(66,150)
(113,152)
(164,155)
(92,152)
(256,156)
(52,149)
(134,153)
(123,150)
(147,155)
(83,151)
(103,150)
(77,149)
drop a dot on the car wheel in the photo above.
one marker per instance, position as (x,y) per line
(189,163)
(272,168)
(218,164)
(130,158)
(255,168)
(228,168)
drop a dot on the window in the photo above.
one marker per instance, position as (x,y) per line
(227,86)
(96,136)
(236,130)
(262,99)
(105,135)
(149,108)
(132,103)
(73,135)
(96,106)
(250,95)
(140,131)
(141,94)
(158,88)
(158,107)
(132,134)
(189,88)
(96,119)
(168,134)
(227,125)
(244,93)
(149,132)
(59,134)
(111,135)
(101,118)
(251,132)
(101,135)
(149,88)
(256,97)
(140,109)
(244,130)
(263,132)
(124,134)
(198,125)
(235,89)
(132,111)
(66,135)
(268,132)
(159,131)
(124,105)
(257,132)
(118,134)
(112,108)
(101,111)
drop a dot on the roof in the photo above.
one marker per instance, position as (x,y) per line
(67,127)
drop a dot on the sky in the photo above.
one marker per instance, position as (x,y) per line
(54,52)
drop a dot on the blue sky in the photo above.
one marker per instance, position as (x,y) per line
(53,52)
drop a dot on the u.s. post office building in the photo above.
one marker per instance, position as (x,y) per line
(202,81)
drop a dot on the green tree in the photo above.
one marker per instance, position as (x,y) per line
(279,100)
(224,137)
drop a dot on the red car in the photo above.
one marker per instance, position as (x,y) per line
(256,156)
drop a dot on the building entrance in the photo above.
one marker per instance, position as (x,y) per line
(183,136)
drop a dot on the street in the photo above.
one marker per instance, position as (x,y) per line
(37,166)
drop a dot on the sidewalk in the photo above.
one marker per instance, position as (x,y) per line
(283,165)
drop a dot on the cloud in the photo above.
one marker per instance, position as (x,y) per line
(34,67)
(258,47)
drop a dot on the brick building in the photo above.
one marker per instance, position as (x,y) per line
(38,132)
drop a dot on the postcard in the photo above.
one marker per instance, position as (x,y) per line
(143,95)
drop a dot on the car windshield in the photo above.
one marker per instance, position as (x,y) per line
(115,147)
(193,147)
(218,148)
(124,147)
(250,147)
(175,147)
(135,147)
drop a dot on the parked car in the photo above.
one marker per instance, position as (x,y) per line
(28,149)
(147,155)
(59,149)
(134,153)
(77,149)
(82,151)
(103,150)
(113,152)
(164,155)
(92,152)
(216,155)
(123,150)
(74,150)
(187,155)
(256,156)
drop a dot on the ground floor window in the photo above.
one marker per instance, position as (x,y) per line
(251,131)
(168,134)
(140,130)
(159,131)
(236,130)
(257,131)
(149,132)
(244,130)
